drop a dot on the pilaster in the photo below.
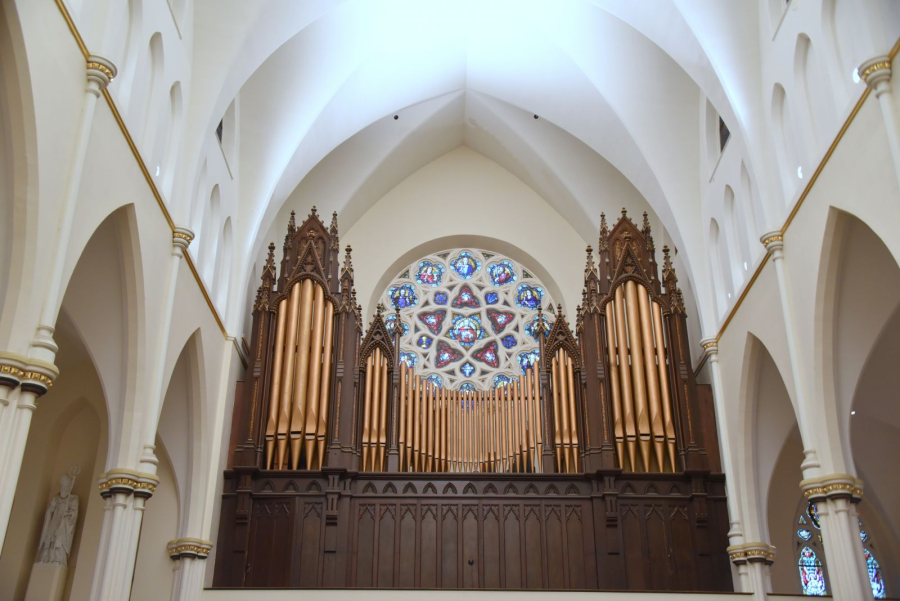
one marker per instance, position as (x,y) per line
(735,531)
(774,243)
(754,560)
(836,496)
(189,564)
(876,73)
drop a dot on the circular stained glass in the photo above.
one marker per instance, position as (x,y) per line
(469,317)
(430,274)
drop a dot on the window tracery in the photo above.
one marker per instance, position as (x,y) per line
(469,317)
(811,557)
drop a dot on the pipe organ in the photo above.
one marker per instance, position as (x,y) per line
(348,468)
(485,431)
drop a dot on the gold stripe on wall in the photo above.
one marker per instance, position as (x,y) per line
(803,195)
(143,167)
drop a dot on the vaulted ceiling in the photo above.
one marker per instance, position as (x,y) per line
(617,88)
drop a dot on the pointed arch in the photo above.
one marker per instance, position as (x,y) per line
(849,318)
(210,238)
(223,269)
(785,147)
(740,248)
(180,425)
(20,201)
(105,299)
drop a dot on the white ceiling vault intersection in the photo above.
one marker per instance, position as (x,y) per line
(617,87)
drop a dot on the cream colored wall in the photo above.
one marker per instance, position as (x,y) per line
(784,496)
(465,196)
(69,428)
(153,568)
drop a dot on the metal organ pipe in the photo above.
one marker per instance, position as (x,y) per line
(275,393)
(668,425)
(618,421)
(625,379)
(314,368)
(652,375)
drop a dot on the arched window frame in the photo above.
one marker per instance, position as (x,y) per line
(434,275)
(806,522)
(808,535)
(873,567)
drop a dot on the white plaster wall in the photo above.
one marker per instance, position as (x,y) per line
(68,429)
(463,194)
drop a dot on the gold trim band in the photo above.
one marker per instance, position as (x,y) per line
(103,69)
(874,67)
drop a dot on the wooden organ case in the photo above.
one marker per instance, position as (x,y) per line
(596,469)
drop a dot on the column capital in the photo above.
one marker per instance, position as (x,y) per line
(196,548)
(710,346)
(100,70)
(874,71)
(130,482)
(182,237)
(773,241)
(751,553)
(31,374)
(832,486)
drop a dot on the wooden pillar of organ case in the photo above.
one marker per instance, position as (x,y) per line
(598,449)
(681,374)
(393,415)
(348,332)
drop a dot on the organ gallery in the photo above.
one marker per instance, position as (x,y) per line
(470,434)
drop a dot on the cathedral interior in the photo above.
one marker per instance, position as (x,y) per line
(348,299)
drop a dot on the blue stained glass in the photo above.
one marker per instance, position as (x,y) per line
(501,380)
(863,535)
(528,359)
(491,298)
(813,512)
(465,264)
(509,341)
(876,581)
(529,297)
(440,298)
(812,576)
(430,274)
(804,534)
(501,273)
(403,296)
(424,342)
(411,359)
(435,380)
(531,328)
(466,329)
(467,369)
(467,387)
(390,322)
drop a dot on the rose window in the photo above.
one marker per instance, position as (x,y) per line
(469,317)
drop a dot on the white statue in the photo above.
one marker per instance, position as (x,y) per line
(59,522)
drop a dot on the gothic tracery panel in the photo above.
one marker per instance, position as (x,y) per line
(469,317)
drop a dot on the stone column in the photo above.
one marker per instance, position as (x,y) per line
(181,239)
(743,581)
(836,496)
(119,552)
(755,559)
(774,243)
(125,492)
(36,372)
(876,72)
(189,557)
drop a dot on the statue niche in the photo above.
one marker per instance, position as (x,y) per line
(59,523)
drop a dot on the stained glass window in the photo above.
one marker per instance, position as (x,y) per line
(812,576)
(469,316)
(811,560)
(810,553)
(876,578)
